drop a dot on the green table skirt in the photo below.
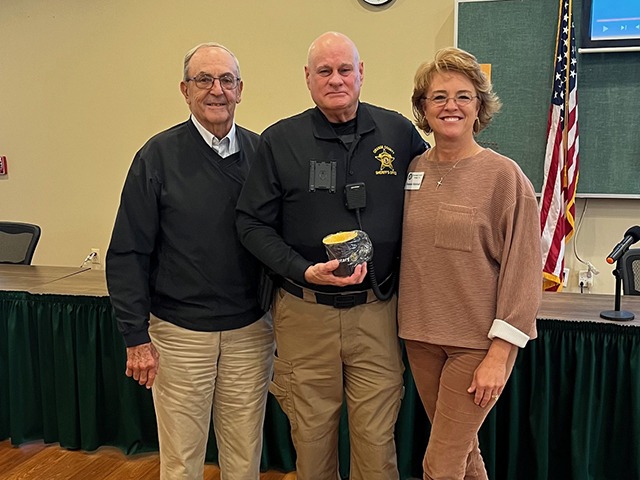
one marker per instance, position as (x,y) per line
(571,409)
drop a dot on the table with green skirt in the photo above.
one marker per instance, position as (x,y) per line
(571,409)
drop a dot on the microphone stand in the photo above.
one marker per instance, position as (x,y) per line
(617,314)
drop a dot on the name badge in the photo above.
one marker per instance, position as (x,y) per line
(414,180)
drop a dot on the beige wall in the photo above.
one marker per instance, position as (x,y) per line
(84,84)
(603,226)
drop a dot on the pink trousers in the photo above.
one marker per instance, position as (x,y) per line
(442,375)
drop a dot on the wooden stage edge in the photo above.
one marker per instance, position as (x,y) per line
(586,307)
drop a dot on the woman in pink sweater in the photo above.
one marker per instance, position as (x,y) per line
(471,275)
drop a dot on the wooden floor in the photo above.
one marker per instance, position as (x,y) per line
(37,461)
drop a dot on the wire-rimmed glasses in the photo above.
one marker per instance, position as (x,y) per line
(461,99)
(205,82)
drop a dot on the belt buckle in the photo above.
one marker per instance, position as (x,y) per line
(344,301)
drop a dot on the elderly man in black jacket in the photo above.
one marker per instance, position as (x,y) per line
(182,286)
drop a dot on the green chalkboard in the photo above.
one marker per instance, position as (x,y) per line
(518,37)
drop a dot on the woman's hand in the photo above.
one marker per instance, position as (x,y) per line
(491,376)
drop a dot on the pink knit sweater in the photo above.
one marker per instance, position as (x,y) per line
(470,252)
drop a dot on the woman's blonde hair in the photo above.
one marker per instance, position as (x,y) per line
(448,60)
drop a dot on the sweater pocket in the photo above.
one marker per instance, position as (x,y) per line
(455,227)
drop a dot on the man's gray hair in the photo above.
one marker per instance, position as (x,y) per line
(191,53)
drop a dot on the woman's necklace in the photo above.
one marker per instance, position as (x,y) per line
(446,173)
(442,177)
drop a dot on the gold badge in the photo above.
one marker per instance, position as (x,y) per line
(385,155)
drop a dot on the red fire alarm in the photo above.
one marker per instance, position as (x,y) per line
(3,165)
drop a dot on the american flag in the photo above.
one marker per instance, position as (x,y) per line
(557,202)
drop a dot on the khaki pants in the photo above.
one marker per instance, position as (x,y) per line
(442,375)
(228,371)
(324,354)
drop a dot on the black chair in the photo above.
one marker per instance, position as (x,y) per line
(18,242)
(631,271)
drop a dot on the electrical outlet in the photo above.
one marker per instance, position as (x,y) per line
(96,260)
(585,278)
(565,277)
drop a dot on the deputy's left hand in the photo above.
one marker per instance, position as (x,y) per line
(322,274)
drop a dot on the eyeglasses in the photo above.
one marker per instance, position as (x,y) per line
(205,82)
(461,99)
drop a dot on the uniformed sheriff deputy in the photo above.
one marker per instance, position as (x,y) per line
(334,336)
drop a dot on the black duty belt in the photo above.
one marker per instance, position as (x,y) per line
(336,300)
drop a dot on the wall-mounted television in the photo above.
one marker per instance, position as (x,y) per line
(610,26)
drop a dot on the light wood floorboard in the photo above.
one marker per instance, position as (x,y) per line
(39,461)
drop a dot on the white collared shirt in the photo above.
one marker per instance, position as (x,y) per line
(223,147)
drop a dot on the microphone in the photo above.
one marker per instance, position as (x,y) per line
(631,236)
